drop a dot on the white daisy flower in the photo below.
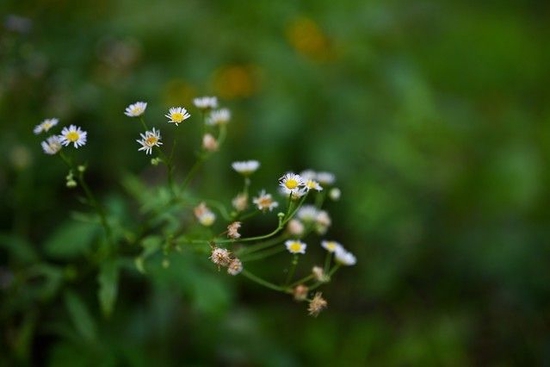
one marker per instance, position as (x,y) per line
(52,145)
(136,109)
(149,140)
(246,168)
(45,125)
(176,115)
(219,117)
(291,183)
(295,247)
(205,103)
(73,134)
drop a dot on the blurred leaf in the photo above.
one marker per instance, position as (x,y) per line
(108,285)
(44,280)
(20,249)
(25,335)
(213,301)
(71,240)
(151,245)
(80,316)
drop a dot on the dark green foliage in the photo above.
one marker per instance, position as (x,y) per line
(433,115)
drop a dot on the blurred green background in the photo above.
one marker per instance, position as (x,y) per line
(433,115)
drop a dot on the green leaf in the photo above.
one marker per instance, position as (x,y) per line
(19,248)
(80,316)
(71,240)
(108,286)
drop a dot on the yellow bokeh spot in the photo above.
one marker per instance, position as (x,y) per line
(307,38)
(178,92)
(235,81)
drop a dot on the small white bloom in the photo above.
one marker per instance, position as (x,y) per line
(149,140)
(264,201)
(176,115)
(335,193)
(295,227)
(209,143)
(45,125)
(205,103)
(307,213)
(52,145)
(220,256)
(219,117)
(331,246)
(235,267)
(322,222)
(320,275)
(73,134)
(204,215)
(295,247)
(344,257)
(136,109)
(313,185)
(240,202)
(246,167)
(233,230)
(207,219)
(325,178)
(308,174)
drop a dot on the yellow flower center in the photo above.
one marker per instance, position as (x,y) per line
(295,247)
(291,184)
(72,136)
(151,140)
(331,246)
(177,117)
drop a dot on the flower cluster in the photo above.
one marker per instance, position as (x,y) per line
(69,135)
(220,226)
(224,258)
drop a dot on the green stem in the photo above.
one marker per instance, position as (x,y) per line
(168,162)
(263,255)
(293,266)
(328,257)
(302,281)
(262,245)
(91,198)
(261,281)
(193,170)
(98,207)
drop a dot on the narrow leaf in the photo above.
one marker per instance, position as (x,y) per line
(80,316)
(108,286)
